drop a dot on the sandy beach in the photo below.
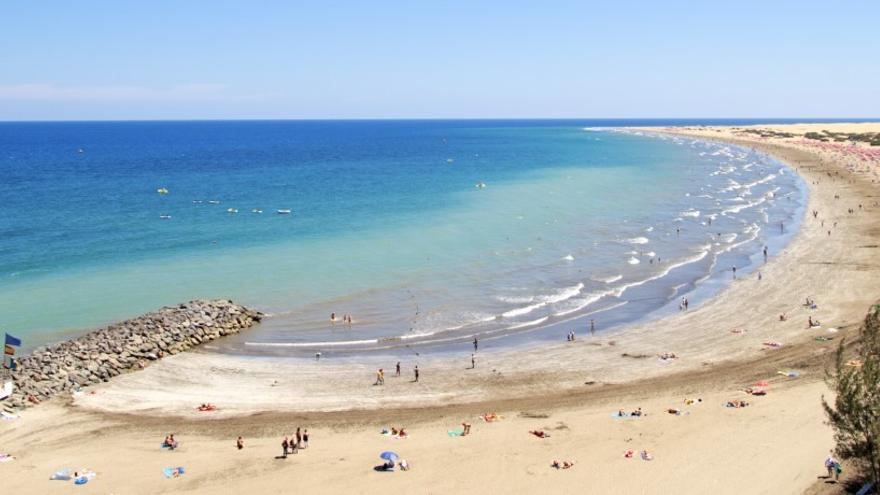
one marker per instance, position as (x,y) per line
(570,390)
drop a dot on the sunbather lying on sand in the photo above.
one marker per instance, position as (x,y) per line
(628,454)
(540,433)
(689,402)
(490,417)
(673,410)
(207,407)
(646,455)
(736,403)
(755,391)
(562,465)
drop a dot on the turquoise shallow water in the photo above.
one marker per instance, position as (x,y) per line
(388,224)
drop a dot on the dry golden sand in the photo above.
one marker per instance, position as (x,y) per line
(776,445)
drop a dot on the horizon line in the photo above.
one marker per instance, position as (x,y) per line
(446,119)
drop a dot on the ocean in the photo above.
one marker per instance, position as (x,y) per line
(427,232)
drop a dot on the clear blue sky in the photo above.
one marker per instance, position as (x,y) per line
(424,59)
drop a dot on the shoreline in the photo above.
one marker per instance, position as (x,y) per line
(774,446)
(625,354)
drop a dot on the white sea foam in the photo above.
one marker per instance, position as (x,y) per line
(638,240)
(523,310)
(528,323)
(739,208)
(568,258)
(633,261)
(608,280)
(690,213)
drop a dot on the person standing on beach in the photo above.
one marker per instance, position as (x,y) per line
(686,304)
(305,444)
(476,344)
(284,445)
(734,272)
(298,438)
(397,369)
(765,254)
(473,361)
(416,372)
(592,327)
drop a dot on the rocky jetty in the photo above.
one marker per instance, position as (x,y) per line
(122,347)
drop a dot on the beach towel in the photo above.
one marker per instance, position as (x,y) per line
(789,374)
(61,475)
(82,480)
(8,416)
(455,433)
(618,416)
(173,472)
(6,458)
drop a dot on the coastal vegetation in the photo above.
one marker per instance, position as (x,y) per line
(855,412)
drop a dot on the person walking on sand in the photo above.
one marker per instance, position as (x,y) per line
(473,361)
(765,254)
(831,465)
(239,443)
(686,304)
(284,445)
(397,369)
(416,372)
(378,377)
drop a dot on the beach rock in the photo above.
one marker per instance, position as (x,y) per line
(123,347)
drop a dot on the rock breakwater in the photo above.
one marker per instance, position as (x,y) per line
(122,347)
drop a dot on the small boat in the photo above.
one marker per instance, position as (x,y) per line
(162,190)
(80,150)
(449,160)
(231,210)
(165,217)
(197,201)
(480,185)
(213,202)
(256,210)
(284,212)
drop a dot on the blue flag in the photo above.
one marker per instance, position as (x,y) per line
(10,340)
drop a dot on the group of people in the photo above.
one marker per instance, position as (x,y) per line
(169,442)
(637,413)
(380,373)
(291,445)
(345,319)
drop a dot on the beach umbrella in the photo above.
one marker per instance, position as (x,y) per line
(389,456)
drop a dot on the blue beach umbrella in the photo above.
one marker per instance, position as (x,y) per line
(389,456)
